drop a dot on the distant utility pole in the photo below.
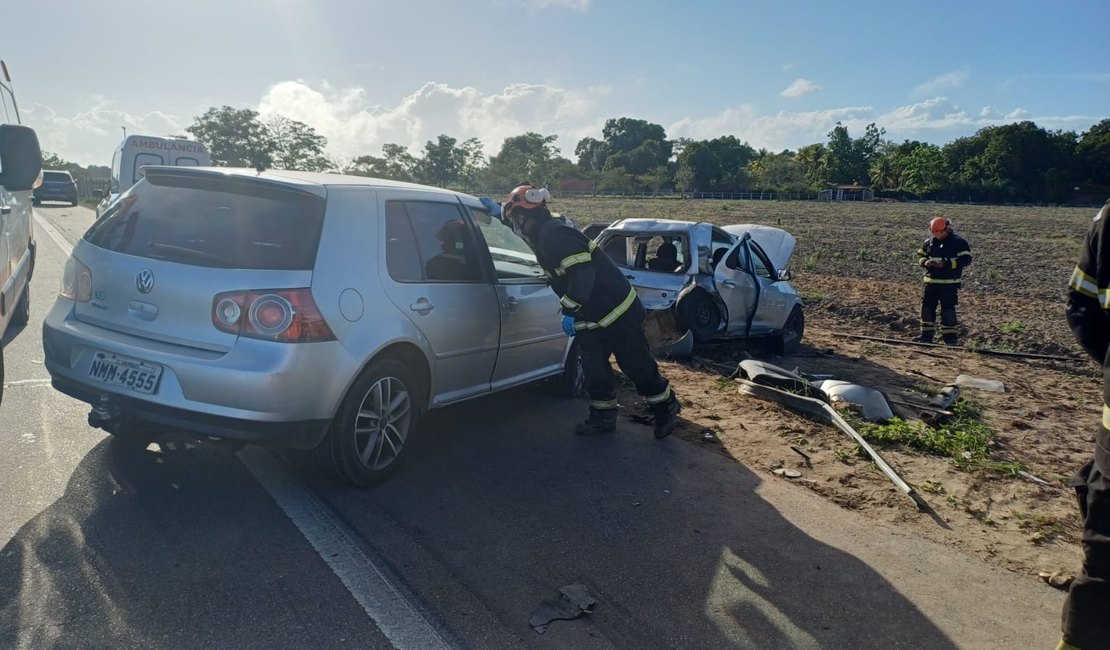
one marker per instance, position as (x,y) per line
(124,131)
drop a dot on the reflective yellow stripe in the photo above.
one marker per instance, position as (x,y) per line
(661,397)
(1104,298)
(569,303)
(603,405)
(571,260)
(929,280)
(949,330)
(1105,417)
(953,263)
(928,327)
(1083,283)
(617,312)
(968,253)
(619,309)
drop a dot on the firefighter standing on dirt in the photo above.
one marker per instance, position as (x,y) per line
(1086,620)
(599,306)
(943,256)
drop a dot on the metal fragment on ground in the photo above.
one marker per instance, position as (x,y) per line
(572,602)
(873,404)
(980,383)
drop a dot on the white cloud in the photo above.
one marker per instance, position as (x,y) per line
(355,127)
(954,79)
(89,137)
(771,132)
(800,88)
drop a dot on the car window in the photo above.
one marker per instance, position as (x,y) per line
(738,259)
(56,177)
(763,267)
(619,248)
(224,223)
(666,254)
(443,242)
(512,257)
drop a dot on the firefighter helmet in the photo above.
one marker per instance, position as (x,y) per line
(524,196)
(939,225)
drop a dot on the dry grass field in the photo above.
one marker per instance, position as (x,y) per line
(854,265)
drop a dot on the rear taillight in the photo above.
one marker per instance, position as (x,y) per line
(76,281)
(288,315)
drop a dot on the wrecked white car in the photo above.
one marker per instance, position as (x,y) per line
(717,282)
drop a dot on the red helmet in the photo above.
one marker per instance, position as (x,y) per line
(939,224)
(524,196)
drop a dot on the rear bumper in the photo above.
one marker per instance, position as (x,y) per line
(260,392)
(305,434)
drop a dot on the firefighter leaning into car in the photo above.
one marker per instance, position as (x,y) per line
(943,256)
(1086,619)
(599,307)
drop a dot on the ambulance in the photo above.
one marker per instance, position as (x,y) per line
(137,151)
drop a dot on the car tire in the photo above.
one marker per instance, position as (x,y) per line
(36,202)
(73,204)
(22,314)
(572,381)
(368,439)
(698,313)
(796,322)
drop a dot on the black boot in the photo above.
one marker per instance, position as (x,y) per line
(598,423)
(666,416)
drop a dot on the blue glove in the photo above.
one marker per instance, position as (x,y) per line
(568,325)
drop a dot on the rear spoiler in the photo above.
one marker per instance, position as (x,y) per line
(229,179)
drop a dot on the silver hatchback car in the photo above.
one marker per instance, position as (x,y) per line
(298,310)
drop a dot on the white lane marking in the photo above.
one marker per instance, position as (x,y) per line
(401,623)
(54,234)
(395,616)
(27,382)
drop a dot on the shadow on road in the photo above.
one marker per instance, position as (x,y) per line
(672,541)
(169,549)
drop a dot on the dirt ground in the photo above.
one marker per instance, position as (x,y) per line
(854,268)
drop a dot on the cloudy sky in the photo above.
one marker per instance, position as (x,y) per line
(775,73)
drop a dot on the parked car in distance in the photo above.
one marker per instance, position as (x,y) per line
(298,310)
(719,282)
(57,185)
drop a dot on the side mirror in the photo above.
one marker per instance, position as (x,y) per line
(20,157)
(784,274)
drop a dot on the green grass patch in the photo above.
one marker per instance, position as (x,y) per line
(963,438)
(1013,327)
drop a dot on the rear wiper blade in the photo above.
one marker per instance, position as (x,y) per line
(173,252)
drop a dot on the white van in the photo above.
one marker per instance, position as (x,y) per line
(136,151)
(20,171)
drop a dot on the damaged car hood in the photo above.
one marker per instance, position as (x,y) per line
(776,242)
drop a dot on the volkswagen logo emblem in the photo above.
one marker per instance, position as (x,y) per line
(145,281)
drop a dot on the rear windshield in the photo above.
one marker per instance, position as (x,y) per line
(215,222)
(56,177)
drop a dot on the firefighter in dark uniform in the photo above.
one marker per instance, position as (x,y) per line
(599,306)
(943,256)
(1086,620)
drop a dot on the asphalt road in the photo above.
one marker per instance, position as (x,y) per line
(498,508)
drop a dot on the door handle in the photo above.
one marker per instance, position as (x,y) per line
(630,277)
(511,304)
(729,283)
(422,306)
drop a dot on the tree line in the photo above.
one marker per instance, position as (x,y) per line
(1013,162)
